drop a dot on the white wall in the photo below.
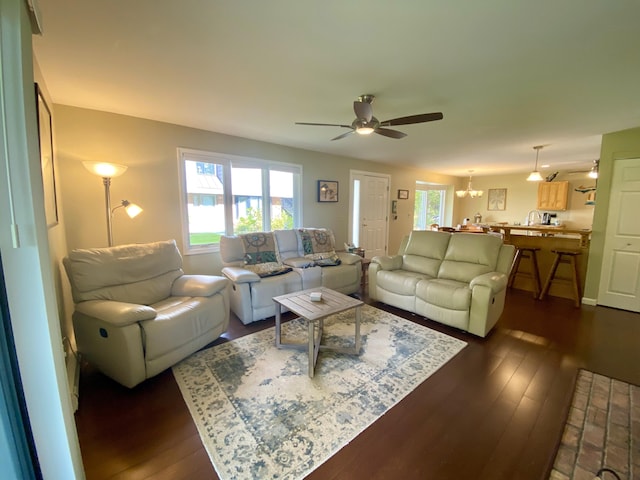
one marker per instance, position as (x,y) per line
(148,148)
(26,262)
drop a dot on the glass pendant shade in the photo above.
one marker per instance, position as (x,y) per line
(593,173)
(535,175)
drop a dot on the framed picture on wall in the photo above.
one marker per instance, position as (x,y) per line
(327,191)
(45,135)
(497,199)
(403,194)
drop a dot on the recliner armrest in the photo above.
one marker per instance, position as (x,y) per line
(240,275)
(393,262)
(496,281)
(198,285)
(349,258)
(118,314)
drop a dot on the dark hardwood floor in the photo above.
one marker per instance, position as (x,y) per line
(496,411)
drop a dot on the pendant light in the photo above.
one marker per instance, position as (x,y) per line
(593,173)
(535,175)
(469,191)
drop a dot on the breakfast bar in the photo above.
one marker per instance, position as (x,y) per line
(548,238)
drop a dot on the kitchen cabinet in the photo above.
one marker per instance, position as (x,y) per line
(553,195)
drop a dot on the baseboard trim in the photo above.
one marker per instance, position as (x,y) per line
(73,377)
(590,301)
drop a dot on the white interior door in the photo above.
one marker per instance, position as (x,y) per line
(371,221)
(620,278)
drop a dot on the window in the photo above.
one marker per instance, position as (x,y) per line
(429,205)
(228,195)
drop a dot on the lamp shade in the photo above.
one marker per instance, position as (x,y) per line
(104,169)
(132,209)
(535,177)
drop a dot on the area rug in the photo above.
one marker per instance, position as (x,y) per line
(602,430)
(259,414)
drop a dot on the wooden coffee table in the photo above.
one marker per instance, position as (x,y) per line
(314,313)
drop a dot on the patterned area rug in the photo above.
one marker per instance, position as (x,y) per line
(603,430)
(260,415)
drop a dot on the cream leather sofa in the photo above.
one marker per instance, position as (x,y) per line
(296,267)
(458,279)
(137,313)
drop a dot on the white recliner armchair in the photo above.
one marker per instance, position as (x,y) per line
(137,313)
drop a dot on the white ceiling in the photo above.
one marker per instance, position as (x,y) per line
(507,74)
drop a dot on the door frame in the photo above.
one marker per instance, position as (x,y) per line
(352,177)
(608,241)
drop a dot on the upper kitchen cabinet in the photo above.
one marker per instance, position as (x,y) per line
(553,195)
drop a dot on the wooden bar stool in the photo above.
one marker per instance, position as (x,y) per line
(534,274)
(568,257)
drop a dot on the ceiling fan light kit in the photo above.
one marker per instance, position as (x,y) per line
(366,124)
(593,173)
(535,175)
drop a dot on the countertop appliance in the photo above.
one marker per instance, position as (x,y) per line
(548,218)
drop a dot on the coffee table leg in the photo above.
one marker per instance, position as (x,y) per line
(358,315)
(312,347)
(278,331)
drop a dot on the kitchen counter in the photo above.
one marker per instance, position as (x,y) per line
(544,231)
(547,238)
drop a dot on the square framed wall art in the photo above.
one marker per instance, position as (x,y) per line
(497,199)
(327,191)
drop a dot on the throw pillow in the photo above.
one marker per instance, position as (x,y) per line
(318,244)
(261,253)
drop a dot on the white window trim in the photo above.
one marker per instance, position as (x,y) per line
(227,160)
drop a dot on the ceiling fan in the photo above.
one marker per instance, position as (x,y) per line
(365,123)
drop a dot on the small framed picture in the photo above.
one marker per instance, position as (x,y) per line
(497,199)
(45,134)
(327,191)
(403,194)
(394,206)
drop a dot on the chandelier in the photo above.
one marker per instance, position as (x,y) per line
(469,191)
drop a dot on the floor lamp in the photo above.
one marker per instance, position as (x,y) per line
(107,171)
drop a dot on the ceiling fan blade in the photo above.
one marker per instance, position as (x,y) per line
(363,110)
(343,135)
(421,118)
(387,132)
(324,124)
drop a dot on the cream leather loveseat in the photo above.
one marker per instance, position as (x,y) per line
(458,279)
(137,313)
(263,265)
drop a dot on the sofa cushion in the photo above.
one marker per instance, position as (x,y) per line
(287,241)
(448,294)
(400,282)
(179,321)
(318,244)
(261,254)
(470,255)
(424,251)
(137,273)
